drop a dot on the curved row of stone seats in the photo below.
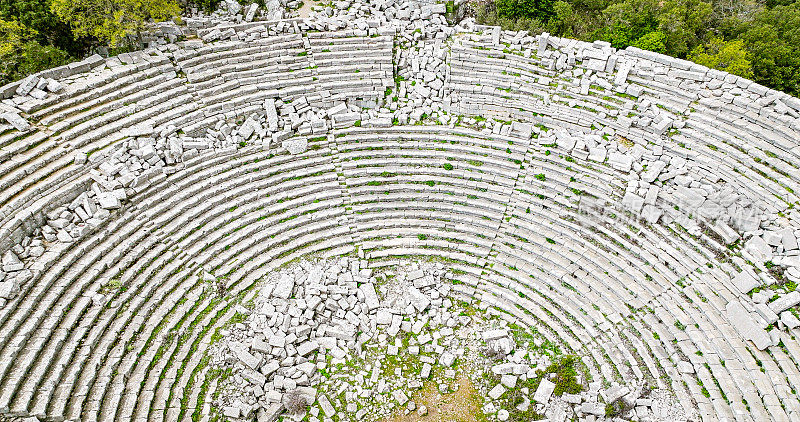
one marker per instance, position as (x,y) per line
(45,171)
(359,160)
(698,264)
(510,71)
(335,58)
(507,213)
(76,116)
(282,67)
(599,270)
(90,95)
(777,188)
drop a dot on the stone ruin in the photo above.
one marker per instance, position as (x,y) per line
(169,216)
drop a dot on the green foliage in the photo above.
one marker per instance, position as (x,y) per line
(112,21)
(730,56)
(773,40)
(653,41)
(683,22)
(539,9)
(564,21)
(566,376)
(36,15)
(616,408)
(20,55)
(448,166)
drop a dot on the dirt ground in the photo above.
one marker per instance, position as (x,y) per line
(463,405)
(305,10)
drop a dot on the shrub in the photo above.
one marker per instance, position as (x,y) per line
(652,41)
(448,166)
(295,402)
(728,56)
(539,9)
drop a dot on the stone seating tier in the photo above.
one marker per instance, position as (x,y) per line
(115,324)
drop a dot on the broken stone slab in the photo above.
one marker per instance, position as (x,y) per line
(269,368)
(660,127)
(295,146)
(447,359)
(284,287)
(400,397)
(27,85)
(785,302)
(255,378)
(108,201)
(597,154)
(498,391)
(245,357)
(521,130)
(251,12)
(419,300)
(272,114)
(632,202)
(343,120)
(788,319)
(745,281)
(653,170)
(8,289)
(370,296)
(544,391)
(270,413)
(745,325)
(615,392)
(11,262)
(494,334)
(337,109)
(766,313)
(620,161)
(141,129)
(726,232)
(759,248)
(15,120)
(326,406)
(651,213)
(303,349)
(413,275)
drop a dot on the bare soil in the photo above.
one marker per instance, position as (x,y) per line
(463,405)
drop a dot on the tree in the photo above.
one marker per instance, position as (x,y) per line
(36,15)
(773,40)
(628,21)
(21,55)
(538,9)
(683,22)
(563,23)
(653,41)
(730,56)
(113,21)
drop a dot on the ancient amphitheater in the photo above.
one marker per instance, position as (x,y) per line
(203,229)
